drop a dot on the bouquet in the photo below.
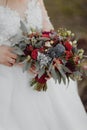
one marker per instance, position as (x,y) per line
(52,53)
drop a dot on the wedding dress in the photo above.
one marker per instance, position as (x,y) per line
(21,107)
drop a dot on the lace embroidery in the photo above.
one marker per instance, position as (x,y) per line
(9,23)
(10,20)
(34,15)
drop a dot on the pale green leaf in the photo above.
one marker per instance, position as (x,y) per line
(26,66)
(23,27)
(66,69)
(59,77)
(62,73)
(41,72)
(54,75)
(17,51)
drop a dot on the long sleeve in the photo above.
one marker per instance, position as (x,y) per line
(47,25)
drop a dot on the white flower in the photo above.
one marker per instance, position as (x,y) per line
(69,32)
(47,44)
(74,42)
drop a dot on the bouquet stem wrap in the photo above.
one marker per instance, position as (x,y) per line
(39,83)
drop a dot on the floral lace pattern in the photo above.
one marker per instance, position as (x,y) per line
(10,20)
(9,23)
(34,14)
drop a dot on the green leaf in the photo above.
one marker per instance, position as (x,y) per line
(15,40)
(68,80)
(66,69)
(54,74)
(59,77)
(23,27)
(41,72)
(26,66)
(37,66)
(44,39)
(51,65)
(17,51)
(38,44)
(18,59)
(62,73)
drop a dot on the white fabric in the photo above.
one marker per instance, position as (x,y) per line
(21,107)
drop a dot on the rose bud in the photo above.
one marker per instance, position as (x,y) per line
(30,48)
(68,54)
(46,34)
(68,46)
(34,54)
(42,49)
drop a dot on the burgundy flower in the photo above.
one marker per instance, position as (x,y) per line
(46,34)
(42,49)
(42,79)
(29,48)
(68,46)
(71,66)
(34,54)
(68,55)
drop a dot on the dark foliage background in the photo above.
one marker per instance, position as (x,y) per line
(71,14)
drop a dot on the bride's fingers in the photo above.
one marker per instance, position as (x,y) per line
(12,55)
(11,61)
(8,64)
(20,64)
(32,71)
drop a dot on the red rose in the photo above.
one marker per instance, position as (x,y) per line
(30,48)
(68,46)
(42,49)
(34,54)
(42,79)
(68,55)
(46,34)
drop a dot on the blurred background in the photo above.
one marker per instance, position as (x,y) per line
(72,14)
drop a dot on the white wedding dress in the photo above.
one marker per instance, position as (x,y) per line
(21,107)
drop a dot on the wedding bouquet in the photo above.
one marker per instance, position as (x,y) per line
(53,54)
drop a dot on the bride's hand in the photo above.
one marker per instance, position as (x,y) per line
(6,56)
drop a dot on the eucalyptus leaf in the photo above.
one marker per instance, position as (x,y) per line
(41,72)
(23,27)
(22,45)
(37,66)
(51,65)
(66,69)
(18,59)
(38,44)
(59,77)
(17,51)
(44,39)
(16,39)
(62,73)
(54,74)
(68,80)
(26,66)
(77,74)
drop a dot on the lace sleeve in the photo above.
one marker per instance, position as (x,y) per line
(47,25)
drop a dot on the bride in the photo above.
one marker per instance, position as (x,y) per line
(21,107)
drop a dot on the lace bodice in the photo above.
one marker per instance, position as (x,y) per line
(10,20)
